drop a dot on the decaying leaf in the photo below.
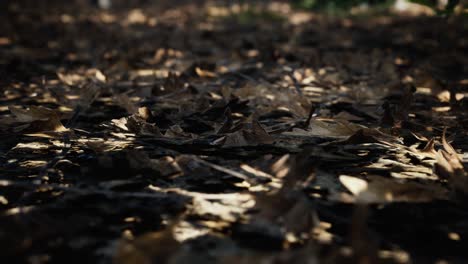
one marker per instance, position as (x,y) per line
(326,128)
(137,125)
(228,122)
(429,148)
(250,134)
(176,131)
(383,190)
(38,119)
(371,135)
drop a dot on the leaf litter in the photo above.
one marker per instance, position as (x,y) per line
(177,134)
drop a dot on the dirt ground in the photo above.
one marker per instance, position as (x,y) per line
(219,133)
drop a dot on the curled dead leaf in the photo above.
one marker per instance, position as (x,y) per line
(449,166)
(429,148)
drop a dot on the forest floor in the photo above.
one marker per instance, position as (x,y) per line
(207,134)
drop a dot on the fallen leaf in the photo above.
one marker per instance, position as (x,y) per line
(372,135)
(327,128)
(450,166)
(204,73)
(38,119)
(70,78)
(137,125)
(249,135)
(383,190)
(176,131)
(155,247)
(228,122)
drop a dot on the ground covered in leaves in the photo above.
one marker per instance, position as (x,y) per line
(205,134)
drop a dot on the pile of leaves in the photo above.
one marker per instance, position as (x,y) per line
(184,134)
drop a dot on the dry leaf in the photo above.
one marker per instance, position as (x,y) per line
(156,247)
(450,166)
(39,119)
(429,148)
(327,128)
(383,190)
(250,135)
(71,78)
(135,124)
(100,76)
(168,167)
(176,131)
(204,73)
(228,122)
(372,135)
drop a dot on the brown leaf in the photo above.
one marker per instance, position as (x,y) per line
(39,119)
(429,148)
(281,167)
(447,147)
(176,131)
(145,113)
(228,122)
(204,73)
(168,167)
(450,166)
(327,128)
(250,135)
(32,114)
(155,247)
(259,134)
(71,78)
(135,124)
(371,135)
(383,190)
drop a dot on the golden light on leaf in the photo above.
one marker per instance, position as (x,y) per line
(3,200)
(136,16)
(454,236)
